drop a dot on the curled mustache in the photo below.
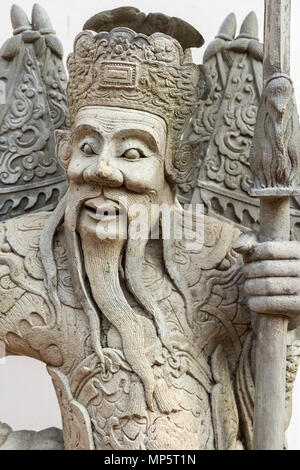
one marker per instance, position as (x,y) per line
(47,256)
(111,301)
(67,211)
(101,265)
(73,208)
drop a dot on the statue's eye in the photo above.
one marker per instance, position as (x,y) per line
(87,149)
(133,154)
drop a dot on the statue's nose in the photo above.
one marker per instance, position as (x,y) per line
(103,174)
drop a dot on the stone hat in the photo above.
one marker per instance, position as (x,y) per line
(128,69)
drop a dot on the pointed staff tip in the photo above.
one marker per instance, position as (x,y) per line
(228,28)
(249,28)
(41,20)
(19,19)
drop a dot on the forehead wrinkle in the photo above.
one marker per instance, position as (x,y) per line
(85,127)
(104,125)
(121,118)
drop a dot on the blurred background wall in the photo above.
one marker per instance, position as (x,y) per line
(27,398)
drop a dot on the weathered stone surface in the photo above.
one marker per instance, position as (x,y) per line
(149,340)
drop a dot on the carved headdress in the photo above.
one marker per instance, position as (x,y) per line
(123,68)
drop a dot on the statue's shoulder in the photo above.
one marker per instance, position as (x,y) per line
(21,268)
(22,234)
(211,248)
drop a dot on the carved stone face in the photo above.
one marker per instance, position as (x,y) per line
(116,154)
(121,153)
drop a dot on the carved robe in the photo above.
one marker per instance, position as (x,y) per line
(203,397)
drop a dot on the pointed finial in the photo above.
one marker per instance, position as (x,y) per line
(228,28)
(19,20)
(41,21)
(249,28)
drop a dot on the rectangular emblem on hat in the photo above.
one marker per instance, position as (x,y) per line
(118,75)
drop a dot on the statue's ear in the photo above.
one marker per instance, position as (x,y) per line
(63,147)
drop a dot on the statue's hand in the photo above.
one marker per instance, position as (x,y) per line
(272,272)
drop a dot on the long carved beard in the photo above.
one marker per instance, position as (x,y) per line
(75,201)
(134,258)
(102,259)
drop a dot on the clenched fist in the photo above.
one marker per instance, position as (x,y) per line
(272,272)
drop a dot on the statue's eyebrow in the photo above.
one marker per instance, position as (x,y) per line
(139,133)
(84,129)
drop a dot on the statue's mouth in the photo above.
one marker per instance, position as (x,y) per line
(100,210)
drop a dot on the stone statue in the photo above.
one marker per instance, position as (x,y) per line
(149,340)
(33,104)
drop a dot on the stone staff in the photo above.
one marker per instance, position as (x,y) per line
(275,163)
